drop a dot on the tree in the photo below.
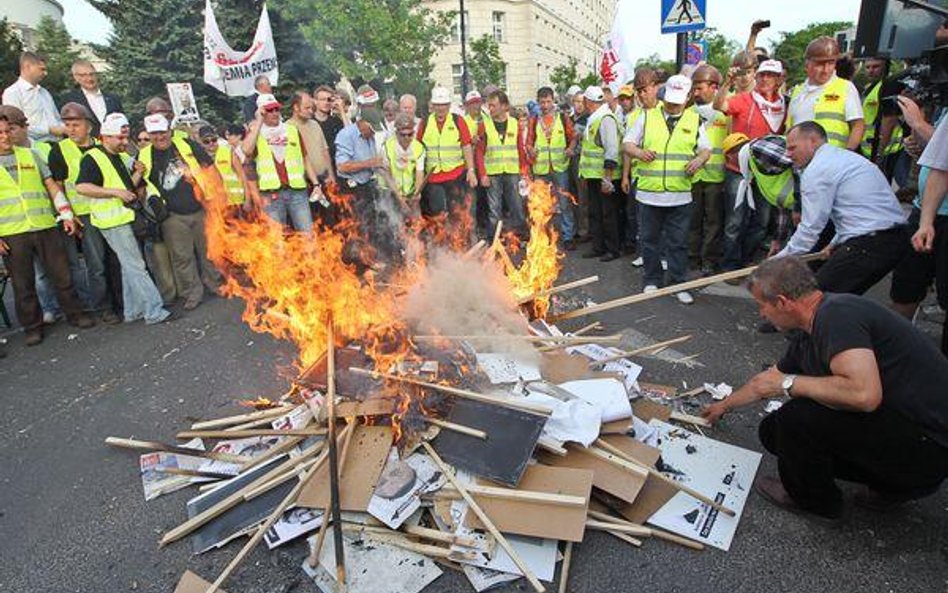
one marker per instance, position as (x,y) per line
(10,50)
(564,76)
(791,47)
(55,44)
(375,41)
(655,62)
(721,49)
(485,64)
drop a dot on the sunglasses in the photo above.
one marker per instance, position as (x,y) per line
(143,138)
(209,140)
(406,134)
(271,110)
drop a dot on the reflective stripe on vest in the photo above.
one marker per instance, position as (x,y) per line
(443,147)
(223,160)
(895,141)
(592,156)
(776,189)
(106,213)
(72,155)
(829,110)
(24,204)
(551,152)
(500,155)
(673,151)
(716,130)
(267,177)
(870,109)
(404,175)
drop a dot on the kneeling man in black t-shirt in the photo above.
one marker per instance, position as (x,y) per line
(868,402)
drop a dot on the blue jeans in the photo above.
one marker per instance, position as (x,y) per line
(139,293)
(745,228)
(664,229)
(503,192)
(292,204)
(559,183)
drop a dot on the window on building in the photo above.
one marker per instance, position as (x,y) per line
(457,77)
(503,79)
(498,19)
(456,29)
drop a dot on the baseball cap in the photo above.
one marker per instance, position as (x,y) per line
(156,122)
(472,96)
(573,90)
(770,66)
(370,114)
(593,93)
(266,100)
(114,122)
(440,96)
(626,90)
(677,88)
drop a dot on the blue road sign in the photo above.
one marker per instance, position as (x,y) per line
(680,16)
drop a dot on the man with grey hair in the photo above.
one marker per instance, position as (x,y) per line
(89,95)
(261,85)
(408,104)
(866,402)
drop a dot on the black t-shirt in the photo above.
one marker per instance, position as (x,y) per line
(331,127)
(914,372)
(167,174)
(58,167)
(89,171)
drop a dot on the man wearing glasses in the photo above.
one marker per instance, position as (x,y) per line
(90,96)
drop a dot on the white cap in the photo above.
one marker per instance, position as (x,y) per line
(265,100)
(472,96)
(366,95)
(440,96)
(113,124)
(594,93)
(156,122)
(573,90)
(770,66)
(677,88)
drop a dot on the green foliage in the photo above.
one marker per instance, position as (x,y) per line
(485,64)
(591,79)
(374,40)
(10,50)
(655,62)
(564,76)
(721,49)
(791,47)
(54,43)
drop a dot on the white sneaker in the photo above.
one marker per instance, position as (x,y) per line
(638,262)
(49,318)
(665,265)
(649,288)
(684,297)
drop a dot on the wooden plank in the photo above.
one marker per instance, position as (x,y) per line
(611,477)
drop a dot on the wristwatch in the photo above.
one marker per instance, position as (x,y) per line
(787,384)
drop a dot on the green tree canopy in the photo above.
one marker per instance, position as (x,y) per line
(791,47)
(10,50)
(486,65)
(564,76)
(655,62)
(54,43)
(721,49)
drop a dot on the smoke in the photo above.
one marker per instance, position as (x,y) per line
(458,296)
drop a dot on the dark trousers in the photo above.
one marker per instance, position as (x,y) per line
(604,217)
(630,219)
(664,230)
(47,245)
(859,263)
(707,223)
(815,445)
(744,227)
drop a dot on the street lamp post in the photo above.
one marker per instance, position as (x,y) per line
(463,51)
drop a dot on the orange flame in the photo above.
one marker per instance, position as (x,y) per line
(541,263)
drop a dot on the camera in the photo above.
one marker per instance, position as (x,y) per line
(926,80)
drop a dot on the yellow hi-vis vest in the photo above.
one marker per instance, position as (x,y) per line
(42,148)
(404,176)
(223,160)
(551,152)
(666,173)
(776,189)
(870,110)
(267,177)
(146,156)
(716,130)
(72,155)
(106,213)
(500,155)
(443,147)
(24,203)
(829,110)
(592,156)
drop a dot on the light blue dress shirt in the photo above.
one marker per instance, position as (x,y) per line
(351,146)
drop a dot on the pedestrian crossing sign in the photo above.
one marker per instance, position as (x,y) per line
(679,16)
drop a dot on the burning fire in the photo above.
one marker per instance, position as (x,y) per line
(541,262)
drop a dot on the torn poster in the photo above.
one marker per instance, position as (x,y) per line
(506,368)
(294,523)
(628,370)
(401,484)
(607,394)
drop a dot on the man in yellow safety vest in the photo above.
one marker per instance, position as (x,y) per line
(707,189)
(498,163)
(404,160)
(598,164)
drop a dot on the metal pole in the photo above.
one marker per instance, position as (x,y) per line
(464,79)
(681,49)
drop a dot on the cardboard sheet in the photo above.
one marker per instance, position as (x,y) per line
(192,583)
(606,476)
(368,451)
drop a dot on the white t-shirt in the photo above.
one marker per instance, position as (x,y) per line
(634,134)
(275,137)
(801,107)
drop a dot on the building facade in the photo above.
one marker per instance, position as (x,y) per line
(25,16)
(534,36)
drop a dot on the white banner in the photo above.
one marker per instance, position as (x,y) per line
(617,64)
(233,72)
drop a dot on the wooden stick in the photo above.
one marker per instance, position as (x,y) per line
(488,399)
(194,473)
(241,434)
(618,527)
(641,350)
(587,328)
(689,419)
(230,420)
(609,457)
(677,539)
(472,504)
(321,535)
(627,539)
(535,496)
(660,476)
(564,570)
(166,448)
(299,470)
(668,290)
(526,338)
(397,539)
(459,428)
(275,451)
(614,339)
(649,531)
(440,536)
(473,251)
(335,510)
(556,289)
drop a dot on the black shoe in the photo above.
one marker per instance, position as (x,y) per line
(82,321)
(630,249)
(593,254)
(609,257)
(772,489)
(33,337)
(110,318)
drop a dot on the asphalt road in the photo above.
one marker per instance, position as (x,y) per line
(73,518)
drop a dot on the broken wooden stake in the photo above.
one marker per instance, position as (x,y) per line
(166,448)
